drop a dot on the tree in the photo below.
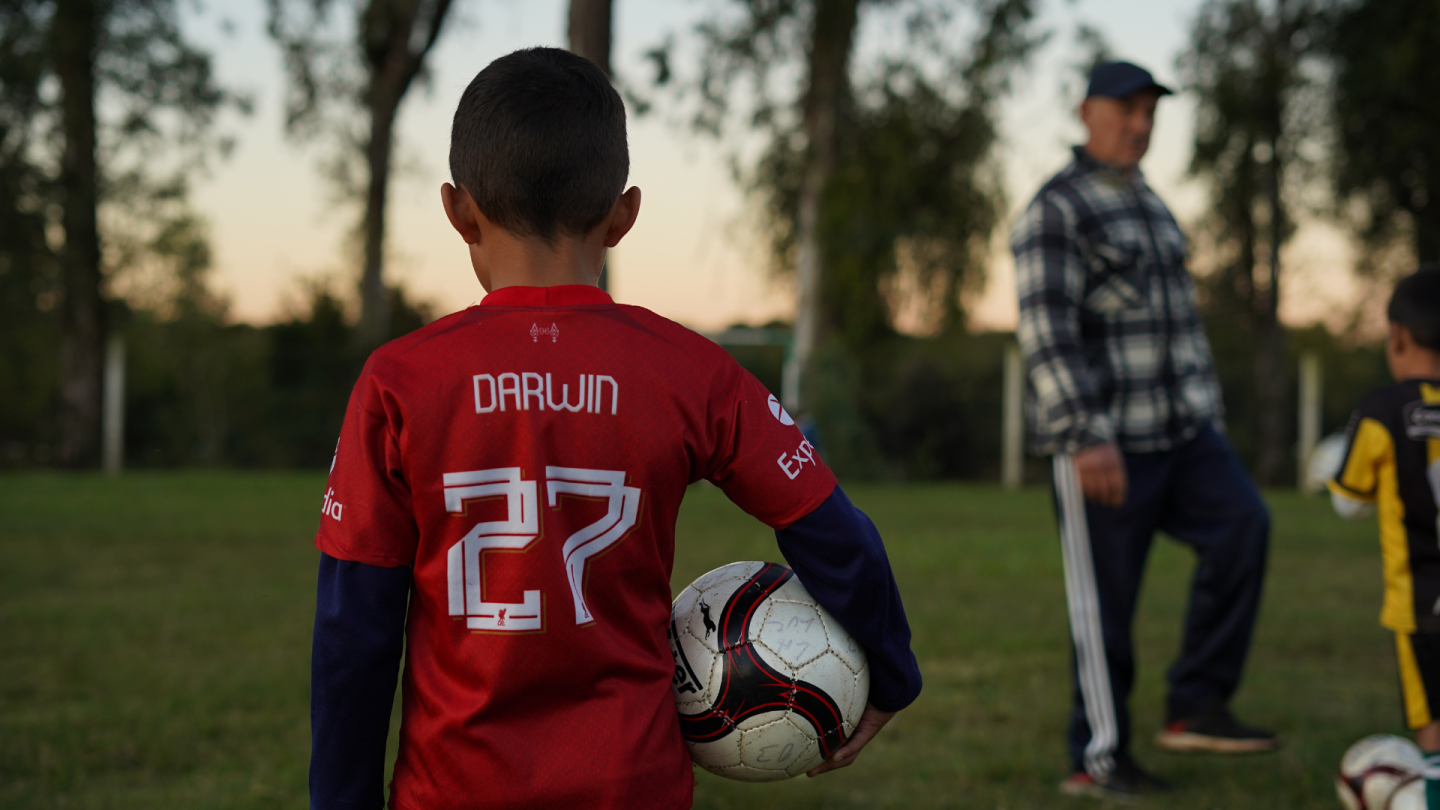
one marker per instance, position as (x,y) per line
(827,89)
(75,31)
(869,176)
(29,284)
(590,35)
(1388,118)
(1250,63)
(99,177)
(352,92)
(589,31)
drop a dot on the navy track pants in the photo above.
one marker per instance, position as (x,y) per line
(1199,494)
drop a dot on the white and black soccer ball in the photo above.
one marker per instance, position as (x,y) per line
(1382,772)
(1324,462)
(768,684)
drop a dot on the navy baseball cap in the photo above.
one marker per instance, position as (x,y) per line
(1122,79)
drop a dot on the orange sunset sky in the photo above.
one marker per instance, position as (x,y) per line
(693,255)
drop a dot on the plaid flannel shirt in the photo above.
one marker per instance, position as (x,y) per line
(1113,343)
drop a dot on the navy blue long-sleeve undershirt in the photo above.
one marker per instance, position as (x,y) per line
(838,555)
(359,638)
(835,550)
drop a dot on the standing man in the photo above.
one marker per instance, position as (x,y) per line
(1126,401)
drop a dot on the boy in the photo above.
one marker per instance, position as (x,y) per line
(513,472)
(1393,460)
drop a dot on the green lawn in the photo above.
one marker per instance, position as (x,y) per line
(156,631)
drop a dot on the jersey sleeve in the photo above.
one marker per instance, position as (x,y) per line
(1367,444)
(761,460)
(366,514)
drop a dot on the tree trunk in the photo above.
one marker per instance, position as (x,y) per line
(590,31)
(394,57)
(75,30)
(1271,420)
(1271,423)
(374,326)
(832,35)
(591,25)
(1427,232)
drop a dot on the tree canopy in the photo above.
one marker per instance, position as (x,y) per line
(1253,69)
(108,111)
(1387,117)
(346,86)
(915,192)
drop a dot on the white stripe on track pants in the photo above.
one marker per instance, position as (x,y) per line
(1083,598)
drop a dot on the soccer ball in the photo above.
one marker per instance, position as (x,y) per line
(768,684)
(1325,461)
(1382,772)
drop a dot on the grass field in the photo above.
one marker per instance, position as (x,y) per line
(155,631)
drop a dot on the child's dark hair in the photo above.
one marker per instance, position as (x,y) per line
(1415,305)
(539,142)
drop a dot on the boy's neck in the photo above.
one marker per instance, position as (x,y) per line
(506,260)
(503,259)
(1418,365)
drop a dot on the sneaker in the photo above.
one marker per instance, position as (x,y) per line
(1215,731)
(1125,785)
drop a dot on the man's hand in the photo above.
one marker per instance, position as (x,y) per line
(871,721)
(1102,474)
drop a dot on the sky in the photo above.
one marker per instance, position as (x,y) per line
(693,255)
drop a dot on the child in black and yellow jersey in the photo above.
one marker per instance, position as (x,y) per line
(1392,465)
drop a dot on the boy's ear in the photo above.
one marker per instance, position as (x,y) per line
(1400,338)
(461,210)
(622,216)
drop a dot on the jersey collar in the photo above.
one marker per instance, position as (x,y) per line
(564,295)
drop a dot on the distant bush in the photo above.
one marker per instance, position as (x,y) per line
(1350,371)
(925,408)
(911,408)
(204,392)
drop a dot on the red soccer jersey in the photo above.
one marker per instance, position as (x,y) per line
(528,457)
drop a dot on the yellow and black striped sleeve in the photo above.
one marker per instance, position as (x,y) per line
(1369,447)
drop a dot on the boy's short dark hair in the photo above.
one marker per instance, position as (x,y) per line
(539,142)
(1415,305)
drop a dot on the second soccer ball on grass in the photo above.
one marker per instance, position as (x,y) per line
(1382,772)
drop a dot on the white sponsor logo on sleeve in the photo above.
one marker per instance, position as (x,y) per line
(778,411)
(792,464)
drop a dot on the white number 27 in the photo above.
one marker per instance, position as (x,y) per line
(520,529)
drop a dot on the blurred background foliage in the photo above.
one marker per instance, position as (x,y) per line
(204,391)
(908,211)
